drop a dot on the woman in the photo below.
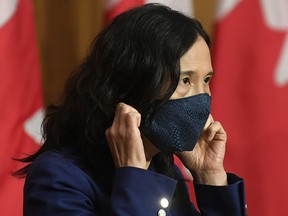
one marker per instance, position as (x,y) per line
(140,96)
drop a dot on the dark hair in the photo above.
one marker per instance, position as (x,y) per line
(130,61)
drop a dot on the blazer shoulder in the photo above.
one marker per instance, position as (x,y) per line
(57,180)
(52,167)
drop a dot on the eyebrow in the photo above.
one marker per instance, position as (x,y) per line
(211,73)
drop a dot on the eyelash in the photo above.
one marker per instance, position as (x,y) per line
(207,79)
(186,80)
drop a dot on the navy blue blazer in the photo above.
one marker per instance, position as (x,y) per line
(59,185)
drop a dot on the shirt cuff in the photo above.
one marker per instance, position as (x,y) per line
(224,200)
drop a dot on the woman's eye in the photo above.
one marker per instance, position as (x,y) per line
(207,79)
(185,80)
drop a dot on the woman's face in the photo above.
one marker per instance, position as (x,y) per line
(195,71)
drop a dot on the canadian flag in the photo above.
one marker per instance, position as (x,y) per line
(250,97)
(20,97)
(115,7)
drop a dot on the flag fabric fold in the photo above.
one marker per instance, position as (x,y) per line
(250,92)
(20,96)
(115,7)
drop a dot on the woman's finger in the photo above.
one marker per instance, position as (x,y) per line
(213,129)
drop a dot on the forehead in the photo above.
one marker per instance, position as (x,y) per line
(197,56)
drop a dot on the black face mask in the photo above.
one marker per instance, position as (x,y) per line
(179,123)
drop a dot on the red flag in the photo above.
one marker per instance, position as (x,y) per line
(20,96)
(115,7)
(250,97)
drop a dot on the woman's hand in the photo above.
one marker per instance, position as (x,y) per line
(205,162)
(124,138)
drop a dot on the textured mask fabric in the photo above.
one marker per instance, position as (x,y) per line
(179,123)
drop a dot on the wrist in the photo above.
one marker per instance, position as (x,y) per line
(216,178)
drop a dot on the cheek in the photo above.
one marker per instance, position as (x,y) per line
(183,91)
(207,90)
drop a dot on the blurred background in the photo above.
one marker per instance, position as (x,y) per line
(42,41)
